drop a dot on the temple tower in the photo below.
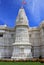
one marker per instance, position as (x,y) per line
(22,46)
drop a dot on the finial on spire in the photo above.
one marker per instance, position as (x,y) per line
(23,3)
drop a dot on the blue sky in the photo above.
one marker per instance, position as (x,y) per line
(9,9)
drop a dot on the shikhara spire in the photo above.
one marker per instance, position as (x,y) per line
(22,18)
(22,45)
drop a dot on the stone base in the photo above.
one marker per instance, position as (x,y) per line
(21,52)
(20,58)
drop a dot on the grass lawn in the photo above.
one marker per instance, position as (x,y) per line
(21,63)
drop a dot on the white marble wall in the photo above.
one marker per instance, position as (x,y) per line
(42,41)
(1,43)
(34,37)
(6,44)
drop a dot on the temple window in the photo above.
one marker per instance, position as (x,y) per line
(29,35)
(1,35)
(12,35)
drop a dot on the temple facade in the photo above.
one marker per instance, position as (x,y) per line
(22,41)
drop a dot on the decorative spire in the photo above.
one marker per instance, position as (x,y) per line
(23,3)
(22,18)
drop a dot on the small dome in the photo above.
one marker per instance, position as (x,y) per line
(5,25)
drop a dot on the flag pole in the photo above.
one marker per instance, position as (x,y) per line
(23,3)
